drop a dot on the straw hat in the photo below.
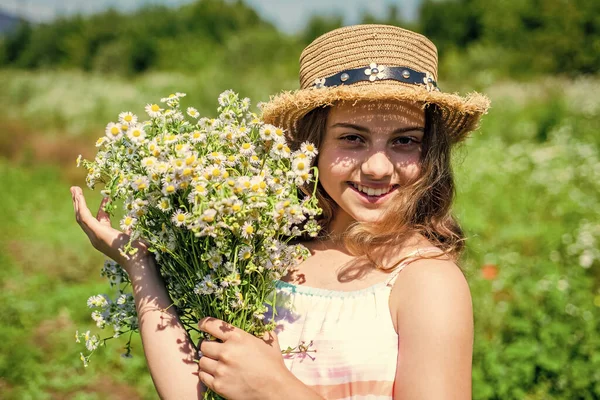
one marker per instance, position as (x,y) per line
(372,62)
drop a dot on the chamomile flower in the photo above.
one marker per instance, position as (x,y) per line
(267,132)
(280,150)
(164,204)
(128,222)
(149,163)
(153,110)
(197,137)
(101,141)
(169,188)
(113,131)
(140,183)
(309,149)
(192,112)
(209,215)
(180,217)
(136,134)
(247,149)
(245,253)
(300,166)
(98,300)
(128,118)
(247,230)
(279,135)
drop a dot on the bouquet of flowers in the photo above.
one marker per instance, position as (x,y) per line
(217,200)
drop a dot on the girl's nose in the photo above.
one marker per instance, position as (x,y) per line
(377,165)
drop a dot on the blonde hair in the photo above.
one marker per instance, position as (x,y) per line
(423,206)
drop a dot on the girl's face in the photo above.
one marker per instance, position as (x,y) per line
(370,150)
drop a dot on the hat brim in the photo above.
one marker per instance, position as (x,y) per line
(460,114)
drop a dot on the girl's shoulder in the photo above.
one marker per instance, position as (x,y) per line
(433,287)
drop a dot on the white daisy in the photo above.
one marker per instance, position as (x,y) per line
(128,222)
(149,163)
(247,230)
(209,215)
(267,132)
(128,118)
(192,112)
(136,134)
(197,137)
(247,149)
(300,166)
(140,183)
(179,217)
(153,110)
(164,204)
(169,188)
(101,141)
(309,149)
(113,131)
(245,253)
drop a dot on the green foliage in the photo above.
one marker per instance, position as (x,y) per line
(118,43)
(530,37)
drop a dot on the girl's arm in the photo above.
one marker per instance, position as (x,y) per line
(169,351)
(434,319)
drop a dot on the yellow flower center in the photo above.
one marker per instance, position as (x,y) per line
(216,172)
(115,130)
(155,107)
(180,218)
(246,146)
(128,118)
(300,166)
(170,189)
(249,229)
(236,207)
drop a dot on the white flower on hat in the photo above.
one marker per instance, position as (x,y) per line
(319,83)
(375,71)
(428,81)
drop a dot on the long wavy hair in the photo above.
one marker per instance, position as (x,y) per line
(423,206)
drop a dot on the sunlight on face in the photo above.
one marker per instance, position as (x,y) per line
(370,150)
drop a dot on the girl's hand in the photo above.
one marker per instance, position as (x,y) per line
(102,235)
(243,366)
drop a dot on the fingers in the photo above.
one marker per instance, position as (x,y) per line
(102,215)
(207,364)
(271,339)
(83,215)
(218,328)
(207,379)
(210,348)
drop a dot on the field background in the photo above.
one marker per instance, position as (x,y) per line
(528,180)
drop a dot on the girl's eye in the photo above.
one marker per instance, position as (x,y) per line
(405,141)
(352,139)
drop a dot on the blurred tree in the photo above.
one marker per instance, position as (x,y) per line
(537,36)
(318,25)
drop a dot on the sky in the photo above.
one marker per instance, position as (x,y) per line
(287,15)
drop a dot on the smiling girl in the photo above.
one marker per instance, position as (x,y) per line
(359,328)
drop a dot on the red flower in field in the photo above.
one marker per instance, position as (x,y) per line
(489,271)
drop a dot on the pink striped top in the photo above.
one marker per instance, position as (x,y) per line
(351,345)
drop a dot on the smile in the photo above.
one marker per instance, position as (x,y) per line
(372,192)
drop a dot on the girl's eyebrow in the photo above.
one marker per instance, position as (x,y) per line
(366,130)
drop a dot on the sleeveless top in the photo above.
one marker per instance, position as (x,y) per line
(342,344)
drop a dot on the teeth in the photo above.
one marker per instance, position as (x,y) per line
(371,191)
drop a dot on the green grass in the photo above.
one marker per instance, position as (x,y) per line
(528,185)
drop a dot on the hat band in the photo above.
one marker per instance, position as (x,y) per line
(376,72)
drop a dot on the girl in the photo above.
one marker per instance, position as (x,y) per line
(358,328)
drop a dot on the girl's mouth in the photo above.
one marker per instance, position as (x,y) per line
(370,194)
